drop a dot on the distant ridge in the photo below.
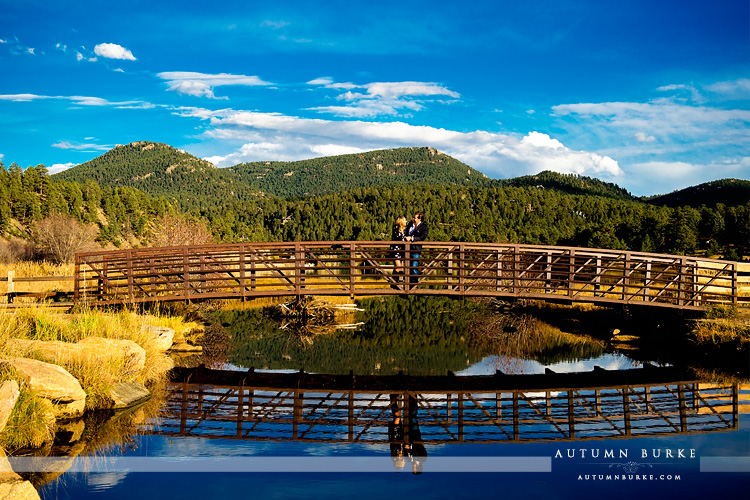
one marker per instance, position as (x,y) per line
(164,171)
(570,184)
(333,174)
(161,170)
(730,192)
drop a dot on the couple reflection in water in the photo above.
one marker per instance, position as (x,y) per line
(404,435)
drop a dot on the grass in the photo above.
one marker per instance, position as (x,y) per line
(97,376)
(722,325)
(31,422)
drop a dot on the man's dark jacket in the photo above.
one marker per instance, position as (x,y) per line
(420,234)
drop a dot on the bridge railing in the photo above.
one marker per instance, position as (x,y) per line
(248,270)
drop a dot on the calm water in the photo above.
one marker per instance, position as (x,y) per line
(417,337)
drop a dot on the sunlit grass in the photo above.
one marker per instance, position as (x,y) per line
(96,375)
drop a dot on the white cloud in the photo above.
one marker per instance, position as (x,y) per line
(642,137)
(113,51)
(658,177)
(335,150)
(274,136)
(60,167)
(380,98)
(203,84)
(30,50)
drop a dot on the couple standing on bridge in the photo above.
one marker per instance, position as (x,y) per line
(416,230)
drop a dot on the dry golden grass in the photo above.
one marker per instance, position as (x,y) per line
(96,377)
(28,269)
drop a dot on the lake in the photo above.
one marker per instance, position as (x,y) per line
(540,437)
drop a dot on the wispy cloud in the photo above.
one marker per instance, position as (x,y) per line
(275,136)
(78,146)
(113,51)
(275,25)
(203,84)
(662,121)
(381,98)
(79,100)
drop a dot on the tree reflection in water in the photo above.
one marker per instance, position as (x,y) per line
(415,335)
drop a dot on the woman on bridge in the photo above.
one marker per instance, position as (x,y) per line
(398,234)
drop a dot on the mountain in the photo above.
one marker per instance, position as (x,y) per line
(162,171)
(571,184)
(333,174)
(730,192)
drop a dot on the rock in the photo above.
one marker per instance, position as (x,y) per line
(18,489)
(164,336)
(114,349)
(70,431)
(125,395)
(53,383)
(9,393)
(125,352)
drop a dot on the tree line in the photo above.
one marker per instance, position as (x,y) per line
(495,213)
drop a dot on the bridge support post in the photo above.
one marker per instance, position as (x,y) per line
(626,409)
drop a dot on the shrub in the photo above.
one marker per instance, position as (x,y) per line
(60,237)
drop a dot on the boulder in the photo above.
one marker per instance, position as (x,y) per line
(53,383)
(103,350)
(125,394)
(133,355)
(164,336)
(9,393)
(18,489)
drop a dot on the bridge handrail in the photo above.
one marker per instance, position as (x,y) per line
(245,270)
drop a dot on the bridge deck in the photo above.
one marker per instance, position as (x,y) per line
(361,268)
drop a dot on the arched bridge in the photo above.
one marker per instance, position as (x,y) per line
(361,268)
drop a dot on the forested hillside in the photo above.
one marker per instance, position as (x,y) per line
(334,174)
(120,213)
(725,191)
(495,214)
(161,171)
(569,183)
(460,203)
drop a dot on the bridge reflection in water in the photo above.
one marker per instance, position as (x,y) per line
(450,409)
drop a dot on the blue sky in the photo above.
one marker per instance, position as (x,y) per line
(651,95)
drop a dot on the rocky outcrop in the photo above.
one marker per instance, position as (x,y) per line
(163,336)
(51,382)
(124,353)
(9,393)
